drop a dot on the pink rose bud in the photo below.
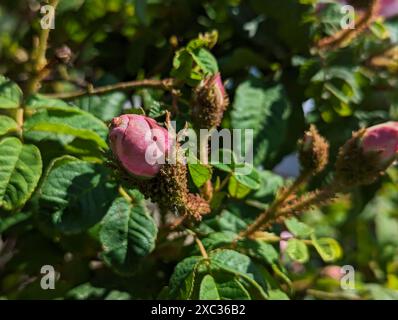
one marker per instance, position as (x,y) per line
(285,236)
(211,101)
(365,157)
(139,144)
(333,272)
(388,8)
(382,139)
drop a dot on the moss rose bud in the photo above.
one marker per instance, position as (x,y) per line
(313,151)
(139,144)
(367,154)
(211,101)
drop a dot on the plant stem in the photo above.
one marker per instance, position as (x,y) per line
(269,214)
(224,182)
(39,60)
(332,295)
(347,35)
(199,243)
(165,84)
(207,189)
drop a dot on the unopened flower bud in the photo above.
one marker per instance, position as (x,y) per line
(63,54)
(313,151)
(369,152)
(211,101)
(139,144)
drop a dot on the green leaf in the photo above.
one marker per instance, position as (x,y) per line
(12,220)
(205,60)
(299,229)
(251,180)
(218,239)
(264,109)
(277,294)
(37,101)
(10,94)
(200,173)
(75,194)
(104,107)
(65,125)
(208,289)
(227,221)
(181,272)
(260,250)
(128,234)
(230,288)
(297,250)
(269,185)
(328,248)
(85,291)
(242,267)
(20,171)
(237,189)
(7,125)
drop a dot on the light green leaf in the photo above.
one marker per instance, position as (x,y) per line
(328,248)
(208,289)
(297,250)
(277,294)
(7,125)
(75,194)
(237,189)
(251,180)
(10,94)
(65,124)
(299,229)
(205,60)
(20,171)
(200,173)
(37,101)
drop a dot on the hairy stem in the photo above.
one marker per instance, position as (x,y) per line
(270,213)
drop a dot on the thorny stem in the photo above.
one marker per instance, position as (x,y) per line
(347,35)
(270,213)
(165,84)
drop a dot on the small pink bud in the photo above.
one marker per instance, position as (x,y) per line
(333,272)
(382,139)
(364,157)
(211,101)
(138,142)
(285,236)
(388,8)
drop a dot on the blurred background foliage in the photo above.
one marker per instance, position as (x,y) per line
(278,81)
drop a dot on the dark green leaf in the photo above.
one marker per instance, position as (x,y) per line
(128,234)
